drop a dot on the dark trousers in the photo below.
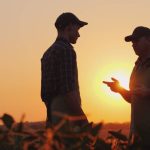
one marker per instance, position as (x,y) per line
(48,115)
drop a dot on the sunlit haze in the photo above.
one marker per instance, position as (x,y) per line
(27,30)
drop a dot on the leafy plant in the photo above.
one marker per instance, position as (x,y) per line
(15,136)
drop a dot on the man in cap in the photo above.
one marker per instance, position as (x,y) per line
(139,93)
(59,83)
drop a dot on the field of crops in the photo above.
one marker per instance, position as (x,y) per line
(20,136)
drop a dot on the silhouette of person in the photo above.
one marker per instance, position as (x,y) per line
(59,83)
(139,94)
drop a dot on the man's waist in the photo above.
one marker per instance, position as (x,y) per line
(46,96)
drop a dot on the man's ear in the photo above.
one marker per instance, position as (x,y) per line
(69,28)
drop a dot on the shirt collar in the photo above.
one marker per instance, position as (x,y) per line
(64,41)
(141,61)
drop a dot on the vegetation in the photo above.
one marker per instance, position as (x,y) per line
(14,136)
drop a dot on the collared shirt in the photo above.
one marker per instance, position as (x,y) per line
(59,73)
(140,106)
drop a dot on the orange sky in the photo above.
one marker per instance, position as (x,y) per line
(27,30)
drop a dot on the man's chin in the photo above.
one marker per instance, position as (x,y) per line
(73,42)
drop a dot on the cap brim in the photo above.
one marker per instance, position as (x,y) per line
(82,23)
(128,38)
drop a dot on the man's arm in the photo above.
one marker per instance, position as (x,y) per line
(126,94)
(72,101)
(115,87)
(69,82)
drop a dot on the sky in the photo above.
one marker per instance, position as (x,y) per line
(27,30)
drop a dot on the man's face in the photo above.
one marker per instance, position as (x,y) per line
(140,46)
(73,33)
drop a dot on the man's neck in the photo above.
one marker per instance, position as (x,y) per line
(63,36)
(145,55)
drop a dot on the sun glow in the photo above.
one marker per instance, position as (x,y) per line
(123,79)
(121,73)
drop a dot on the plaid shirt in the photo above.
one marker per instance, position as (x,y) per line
(59,73)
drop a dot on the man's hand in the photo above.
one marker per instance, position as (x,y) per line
(114,86)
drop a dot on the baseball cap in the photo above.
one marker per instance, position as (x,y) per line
(138,33)
(67,18)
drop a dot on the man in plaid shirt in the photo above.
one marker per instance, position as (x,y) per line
(59,83)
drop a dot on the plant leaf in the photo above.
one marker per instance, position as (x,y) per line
(118,135)
(96,129)
(8,120)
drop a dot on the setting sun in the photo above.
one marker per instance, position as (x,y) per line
(122,78)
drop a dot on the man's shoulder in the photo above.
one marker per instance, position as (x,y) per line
(55,48)
(58,49)
(58,46)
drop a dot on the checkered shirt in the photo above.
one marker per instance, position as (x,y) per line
(59,73)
